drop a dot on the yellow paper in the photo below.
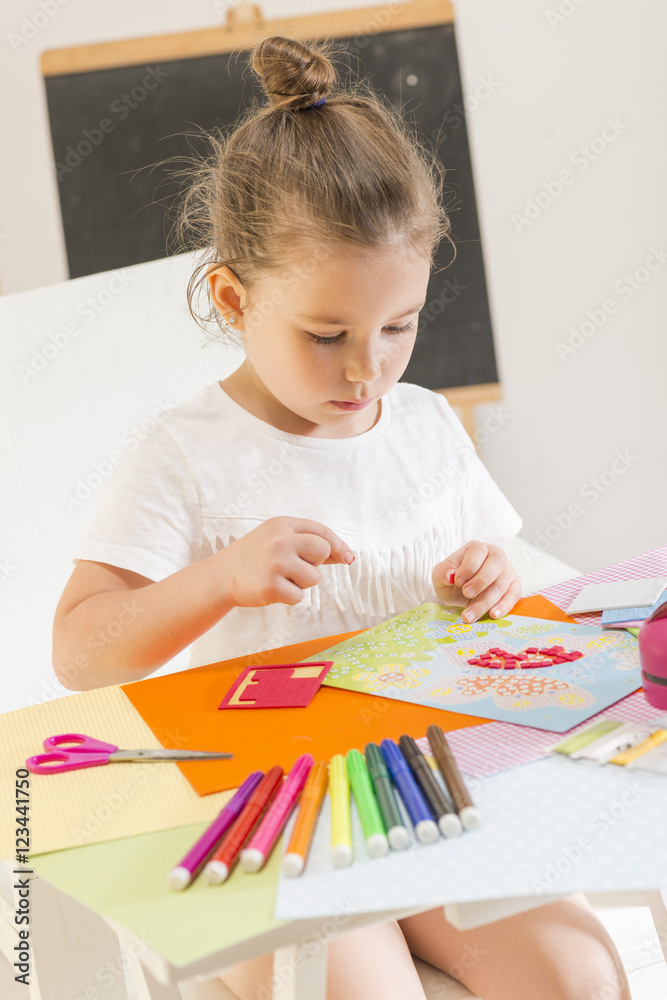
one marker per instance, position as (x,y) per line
(96,804)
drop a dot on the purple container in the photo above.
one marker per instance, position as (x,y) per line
(653,657)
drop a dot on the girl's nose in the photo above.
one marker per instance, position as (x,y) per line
(364,365)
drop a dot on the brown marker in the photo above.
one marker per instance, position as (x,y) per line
(468,813)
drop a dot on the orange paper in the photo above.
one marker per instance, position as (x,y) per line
(182,711)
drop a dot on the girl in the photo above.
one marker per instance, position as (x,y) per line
(278,505)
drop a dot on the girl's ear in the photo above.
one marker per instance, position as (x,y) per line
(227,292)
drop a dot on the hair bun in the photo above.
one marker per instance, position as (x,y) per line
(293,75)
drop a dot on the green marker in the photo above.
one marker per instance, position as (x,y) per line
(371,821)
(397,832)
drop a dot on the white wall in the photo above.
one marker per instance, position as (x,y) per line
(553,86)
(583,428)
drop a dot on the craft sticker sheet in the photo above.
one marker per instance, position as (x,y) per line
(422,656)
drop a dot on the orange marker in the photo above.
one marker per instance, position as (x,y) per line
(304,828)
(226,856)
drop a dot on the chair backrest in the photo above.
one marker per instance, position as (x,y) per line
(86,366)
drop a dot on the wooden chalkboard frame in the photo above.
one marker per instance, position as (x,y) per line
(244,28)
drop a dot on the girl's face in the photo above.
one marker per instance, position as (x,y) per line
(325,343)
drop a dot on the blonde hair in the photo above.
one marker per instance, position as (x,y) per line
(291,178)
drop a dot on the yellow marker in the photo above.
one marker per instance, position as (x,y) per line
(341,827)
(634,752)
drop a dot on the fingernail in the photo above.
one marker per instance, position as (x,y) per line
(349,558)
(469,591)
(468,616)
(451,576)
(495,613)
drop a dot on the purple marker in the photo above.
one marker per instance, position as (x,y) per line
(184,873)
(425,829)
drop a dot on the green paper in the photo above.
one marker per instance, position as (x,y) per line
(574,743)
(126,880)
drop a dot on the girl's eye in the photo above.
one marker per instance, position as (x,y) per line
(324,340)
(316,339)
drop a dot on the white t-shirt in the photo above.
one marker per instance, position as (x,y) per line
(403,495)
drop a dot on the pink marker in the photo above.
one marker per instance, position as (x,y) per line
(258,850)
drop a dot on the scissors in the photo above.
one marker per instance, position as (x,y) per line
(84,751)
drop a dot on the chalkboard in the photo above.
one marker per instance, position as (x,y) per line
(106,123)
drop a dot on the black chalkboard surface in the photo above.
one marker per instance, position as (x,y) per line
(106,123)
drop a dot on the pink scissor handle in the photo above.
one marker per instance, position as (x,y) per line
(70,758)
(83,744)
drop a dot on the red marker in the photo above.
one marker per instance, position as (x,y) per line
(224,859)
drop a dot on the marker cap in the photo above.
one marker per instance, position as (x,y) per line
(216,872)
(292,865)
(377,845)
(252,859)
(450,825)
(398,838)
(427,832)
(470,818)
(341,855)
(179,877)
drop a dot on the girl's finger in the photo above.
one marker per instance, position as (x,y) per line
(499,598)
(493,566)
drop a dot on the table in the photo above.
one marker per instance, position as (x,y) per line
(68,936)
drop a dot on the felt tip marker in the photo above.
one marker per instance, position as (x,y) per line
(468,812)
(397,832)
(418,811)
(341,826)
(219,867)
(263,840)
(377,844)
(304,828)
(183,874)
(443,811)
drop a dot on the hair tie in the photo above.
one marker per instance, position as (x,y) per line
(315,105)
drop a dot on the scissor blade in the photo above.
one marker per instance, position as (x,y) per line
(157,753)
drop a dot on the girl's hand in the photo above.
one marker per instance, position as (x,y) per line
(484,574)
(274,563)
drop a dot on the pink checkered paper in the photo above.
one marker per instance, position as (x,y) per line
(653,563)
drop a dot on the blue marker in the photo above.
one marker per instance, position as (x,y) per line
(415,803)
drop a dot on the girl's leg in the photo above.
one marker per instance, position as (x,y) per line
(370,964)
(560,951)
